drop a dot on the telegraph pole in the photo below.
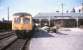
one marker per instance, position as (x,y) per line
(62,21)
(57,5)
(82,6)
(62,8)
(8,13)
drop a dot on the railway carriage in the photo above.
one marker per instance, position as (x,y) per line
(22,24)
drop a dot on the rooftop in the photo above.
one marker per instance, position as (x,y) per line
(58,15)
(22,14)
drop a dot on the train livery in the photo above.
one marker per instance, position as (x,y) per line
(22,24)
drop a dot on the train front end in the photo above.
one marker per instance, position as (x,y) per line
(22,24)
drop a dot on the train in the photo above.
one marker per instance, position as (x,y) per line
(22,24)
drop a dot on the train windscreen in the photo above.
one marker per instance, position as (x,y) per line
(26,20)
(17,20)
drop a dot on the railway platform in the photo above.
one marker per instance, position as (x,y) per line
(63,40)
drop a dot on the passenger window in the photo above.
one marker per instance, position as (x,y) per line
(26,20)
(17,20)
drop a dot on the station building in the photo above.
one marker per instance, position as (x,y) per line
(67,19)
(60,19)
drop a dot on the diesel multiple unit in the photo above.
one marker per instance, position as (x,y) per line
(22,24)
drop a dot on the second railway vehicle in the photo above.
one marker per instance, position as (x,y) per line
(22,24)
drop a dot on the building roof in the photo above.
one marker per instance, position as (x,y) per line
(58,16)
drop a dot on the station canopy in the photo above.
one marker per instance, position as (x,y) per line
(58,16)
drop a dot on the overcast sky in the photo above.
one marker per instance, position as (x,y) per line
(35,6)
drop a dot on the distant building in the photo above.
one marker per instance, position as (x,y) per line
(5,25)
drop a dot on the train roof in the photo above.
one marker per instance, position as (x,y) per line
(21,14)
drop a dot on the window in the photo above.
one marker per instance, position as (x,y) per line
(17,20)
(26,20)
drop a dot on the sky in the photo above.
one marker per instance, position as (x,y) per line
(36,6)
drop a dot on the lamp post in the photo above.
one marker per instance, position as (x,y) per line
(40,21)
(49,20)
(77,21)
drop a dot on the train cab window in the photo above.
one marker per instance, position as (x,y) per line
(17,20)
(26,20)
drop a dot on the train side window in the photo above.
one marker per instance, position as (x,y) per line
(26,20)
(17,20)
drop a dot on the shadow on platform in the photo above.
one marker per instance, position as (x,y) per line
(61,33)
(41,34)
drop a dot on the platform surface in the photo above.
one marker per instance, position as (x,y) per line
(64,40)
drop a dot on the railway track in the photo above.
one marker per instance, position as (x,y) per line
(17,44)
(13,43)
(9,41)
(6,39)
(5,35)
